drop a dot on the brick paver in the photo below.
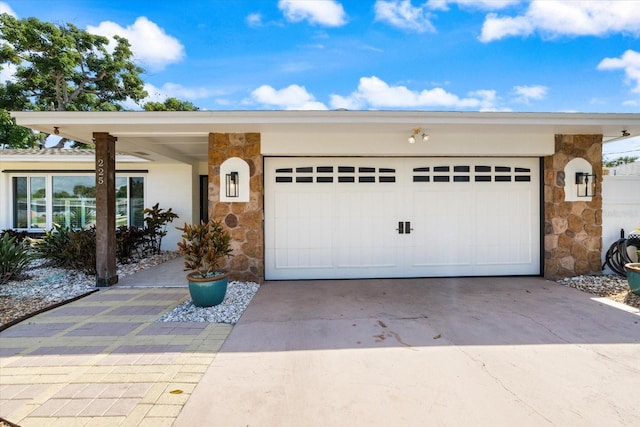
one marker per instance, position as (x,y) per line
(104,361)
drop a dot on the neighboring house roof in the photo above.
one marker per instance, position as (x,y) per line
(59,155)
(630,169)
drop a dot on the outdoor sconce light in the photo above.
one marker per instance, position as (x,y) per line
(235,177)
(232,184)
(585,184)
(418,132)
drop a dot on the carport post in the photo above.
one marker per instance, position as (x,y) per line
(106,273)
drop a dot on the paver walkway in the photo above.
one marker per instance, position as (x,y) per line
(104,361)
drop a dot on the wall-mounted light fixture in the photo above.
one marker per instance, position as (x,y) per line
(418,132)
(232,184)
(585,184)
(56,130)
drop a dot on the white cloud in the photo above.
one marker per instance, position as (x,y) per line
(376,93)
(472,4)
(402,14)
(150,44)
(5,8)
(292,97)
(488,99)
(553,18)
(254,20)
(526,94)
(495,28)
(327,13)
(629,62)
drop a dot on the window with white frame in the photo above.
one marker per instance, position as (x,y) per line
(69,200)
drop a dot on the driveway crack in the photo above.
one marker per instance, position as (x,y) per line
(498,381)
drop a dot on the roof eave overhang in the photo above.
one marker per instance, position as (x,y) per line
(80,126)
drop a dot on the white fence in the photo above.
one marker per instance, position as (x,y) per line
(620,207)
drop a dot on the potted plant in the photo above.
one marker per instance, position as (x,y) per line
(203,246)
(633,275)
(633,268)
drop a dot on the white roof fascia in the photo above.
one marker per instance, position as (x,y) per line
(81,125)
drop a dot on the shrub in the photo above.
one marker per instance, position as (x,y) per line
(76,249)
(80,253)
(63,247)
(14,257)
(156,220)
(52,245)
(130,243)
(19,235)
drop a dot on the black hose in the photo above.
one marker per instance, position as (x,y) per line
(617,255)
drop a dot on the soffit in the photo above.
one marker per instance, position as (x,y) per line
(183,136)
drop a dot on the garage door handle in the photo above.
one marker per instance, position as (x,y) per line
(407,227)
(400,228)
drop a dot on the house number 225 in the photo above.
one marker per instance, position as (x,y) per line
(100,172)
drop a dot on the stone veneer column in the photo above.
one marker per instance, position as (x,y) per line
(572,230)
(244,221)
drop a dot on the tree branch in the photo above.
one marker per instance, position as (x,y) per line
(80,89)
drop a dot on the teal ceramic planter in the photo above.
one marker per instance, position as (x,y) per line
(633,276)
(207,291)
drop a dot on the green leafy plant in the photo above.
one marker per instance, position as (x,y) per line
(14,258)
(20,236)
(62,247)
(51,246)
(203,246)
(130,244)
(80,253)
(156,220)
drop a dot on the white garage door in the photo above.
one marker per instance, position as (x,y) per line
(329,218)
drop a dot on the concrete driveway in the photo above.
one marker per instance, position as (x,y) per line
(420,352)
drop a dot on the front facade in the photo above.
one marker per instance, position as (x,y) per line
(333,195)
(41,188)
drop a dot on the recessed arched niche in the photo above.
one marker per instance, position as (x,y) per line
(579,181)
(234,180)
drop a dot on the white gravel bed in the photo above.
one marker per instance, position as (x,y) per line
(54,284)
(602,285)
(46,286)
(238,297)
(615,288)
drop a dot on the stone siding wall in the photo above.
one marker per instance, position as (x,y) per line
(572,230)
(243,220)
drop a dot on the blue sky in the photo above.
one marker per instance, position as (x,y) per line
(440,55)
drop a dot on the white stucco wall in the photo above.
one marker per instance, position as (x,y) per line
(172,186)
(620,208)
(169,184)
(308,143)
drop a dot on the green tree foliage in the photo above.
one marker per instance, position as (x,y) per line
(14,136)
(170,104)
(84,191)
(69,69)
(64,68)
(11,135)
(620,161)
